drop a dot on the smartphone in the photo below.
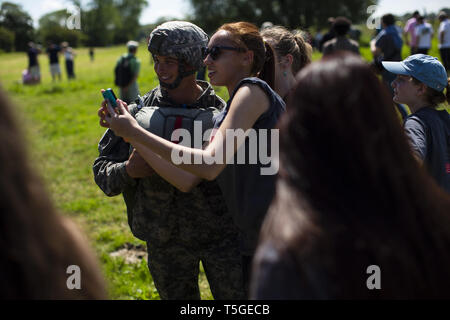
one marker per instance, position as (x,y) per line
(110,97)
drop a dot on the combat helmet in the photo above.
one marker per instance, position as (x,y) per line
(182,40)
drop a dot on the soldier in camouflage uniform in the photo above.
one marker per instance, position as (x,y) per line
(180,229)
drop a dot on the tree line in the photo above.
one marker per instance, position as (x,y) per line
(109,22)
(209,14)
(102,22)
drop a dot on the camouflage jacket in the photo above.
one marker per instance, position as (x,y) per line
(156,210)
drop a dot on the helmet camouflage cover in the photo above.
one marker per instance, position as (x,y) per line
(180,39)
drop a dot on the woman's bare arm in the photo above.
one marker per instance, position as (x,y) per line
(249,103)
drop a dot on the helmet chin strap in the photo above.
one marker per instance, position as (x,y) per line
(181,74)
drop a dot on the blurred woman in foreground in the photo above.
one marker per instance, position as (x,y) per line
(42,253)
(350,198)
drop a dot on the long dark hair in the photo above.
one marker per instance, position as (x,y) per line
(350,194)
(36,244)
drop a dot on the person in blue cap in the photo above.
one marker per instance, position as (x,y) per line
(353,217)
(420,83)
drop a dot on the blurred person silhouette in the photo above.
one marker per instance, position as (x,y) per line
(329,35)
(53,51)
(354,199)
(126,73)
(69,56)
(292,53)
(341,42)
(444,40)
(354,33)
(317,38)
(424,33)
(91,53)
(37,244)
(387,46)
(33,64)
(409,32)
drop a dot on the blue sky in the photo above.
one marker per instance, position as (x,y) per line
(178,8)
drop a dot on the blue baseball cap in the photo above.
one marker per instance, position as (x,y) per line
(426,69)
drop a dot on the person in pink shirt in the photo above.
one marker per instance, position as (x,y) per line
(409,30)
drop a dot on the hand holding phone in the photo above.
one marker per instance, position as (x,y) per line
(110,98)
(112,109)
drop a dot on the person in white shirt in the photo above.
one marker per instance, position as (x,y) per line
(69,55)
(424,32)
(444,40)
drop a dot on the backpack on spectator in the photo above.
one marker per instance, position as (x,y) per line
(123,73)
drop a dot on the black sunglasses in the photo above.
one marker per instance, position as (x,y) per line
(215,51)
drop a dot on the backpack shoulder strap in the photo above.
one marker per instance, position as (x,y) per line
(133,108)
(147,100)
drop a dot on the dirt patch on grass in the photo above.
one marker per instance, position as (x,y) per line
(131,253)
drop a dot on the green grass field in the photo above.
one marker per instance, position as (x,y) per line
(61,126)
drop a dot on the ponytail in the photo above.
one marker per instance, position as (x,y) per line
(285,42)
(268,70)
(434,97)
(303,55)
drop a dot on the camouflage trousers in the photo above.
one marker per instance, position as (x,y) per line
(175,267)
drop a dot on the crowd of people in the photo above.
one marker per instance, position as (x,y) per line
(338,183)
(343,198)
(32,75)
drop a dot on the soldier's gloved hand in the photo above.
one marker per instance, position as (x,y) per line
(136,166)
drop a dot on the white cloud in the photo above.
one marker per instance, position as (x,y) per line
(166,8)
(400,7)
(53,5)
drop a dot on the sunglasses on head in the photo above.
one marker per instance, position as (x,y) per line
(215,51)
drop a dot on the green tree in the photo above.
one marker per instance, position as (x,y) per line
(130,11)
(99,21)
(210,14)
(145,30)
(53,28)
(13,18)
(111,21)
(6,40)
